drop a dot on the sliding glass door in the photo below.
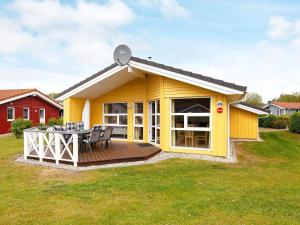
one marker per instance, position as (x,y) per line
(154,122)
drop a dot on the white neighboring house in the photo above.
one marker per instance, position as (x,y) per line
(283,108)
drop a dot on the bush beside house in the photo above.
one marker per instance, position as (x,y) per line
(19,125)
(55,121)
(295,123)
(276,122)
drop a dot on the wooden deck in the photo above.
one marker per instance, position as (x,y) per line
(116,152)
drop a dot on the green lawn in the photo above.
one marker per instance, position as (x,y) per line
(262,188)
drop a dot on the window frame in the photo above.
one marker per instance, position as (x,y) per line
(138,125)
(185,125)
(118,118)
(27,108)
(156,128)
(14,111)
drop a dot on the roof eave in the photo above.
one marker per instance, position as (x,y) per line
(35,92)
(186,79)
(251,109)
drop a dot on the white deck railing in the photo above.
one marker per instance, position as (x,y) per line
(60,146)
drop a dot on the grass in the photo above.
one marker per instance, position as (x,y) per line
(262,188)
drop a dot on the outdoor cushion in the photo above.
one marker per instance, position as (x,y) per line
(80,126)
(70,126)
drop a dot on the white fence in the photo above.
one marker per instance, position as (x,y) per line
(51,145)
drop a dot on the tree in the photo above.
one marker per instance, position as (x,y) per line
(53,95)
(254,99)
(293,97)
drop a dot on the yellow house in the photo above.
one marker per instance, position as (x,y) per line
(176,110)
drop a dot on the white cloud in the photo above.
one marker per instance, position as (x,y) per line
(52,13)
(279,27)
(12,37)
(60,42)
(169,8)
(54,32)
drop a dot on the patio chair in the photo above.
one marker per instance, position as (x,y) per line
(106,137)
(93,138)
(65,136)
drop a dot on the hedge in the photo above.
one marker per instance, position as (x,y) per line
(272,121)
(295,123)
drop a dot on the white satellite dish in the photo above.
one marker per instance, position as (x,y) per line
(122,55)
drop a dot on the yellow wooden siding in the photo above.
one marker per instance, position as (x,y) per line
(243,124)
(133,91)
(219,137)
(153,87)
(164,89)
(73,108)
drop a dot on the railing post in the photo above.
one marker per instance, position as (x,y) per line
(41,146)
(75,149)
(57,147)
(26,145)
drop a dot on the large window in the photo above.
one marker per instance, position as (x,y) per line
(26,114)
(191,123)
(115,115)
(138,121)
(10,113)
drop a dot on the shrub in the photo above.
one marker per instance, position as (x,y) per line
(295,123)
(267,121)
(287,119)
(19,125)
(280,123)
(277,122)
(55,121)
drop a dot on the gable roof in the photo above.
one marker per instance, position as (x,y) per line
(190,74)
(5,94)
(252,108)
(185,76)
(287,105)
(15,94)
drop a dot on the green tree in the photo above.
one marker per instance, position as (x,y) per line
(293,97)
(53,95)
(254,99)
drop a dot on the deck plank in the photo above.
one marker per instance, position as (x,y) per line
(115,153)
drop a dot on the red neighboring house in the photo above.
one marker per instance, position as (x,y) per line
(28,104)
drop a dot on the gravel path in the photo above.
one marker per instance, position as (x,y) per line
(157,158)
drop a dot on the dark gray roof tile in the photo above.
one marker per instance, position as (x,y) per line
(165,67)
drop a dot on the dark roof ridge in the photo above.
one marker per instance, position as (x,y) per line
(161,66)
(190,74)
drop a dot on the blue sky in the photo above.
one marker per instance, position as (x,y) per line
(52,44)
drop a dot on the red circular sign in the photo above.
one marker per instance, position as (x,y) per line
(219,110)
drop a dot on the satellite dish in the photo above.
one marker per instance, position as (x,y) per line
(122,55)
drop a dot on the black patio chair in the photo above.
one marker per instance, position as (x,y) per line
(106,136)
(60,128)
(93,138)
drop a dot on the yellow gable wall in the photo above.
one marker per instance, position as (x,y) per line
(73,108)
(133,91)
(177,89)
(243,124)
(152,88)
